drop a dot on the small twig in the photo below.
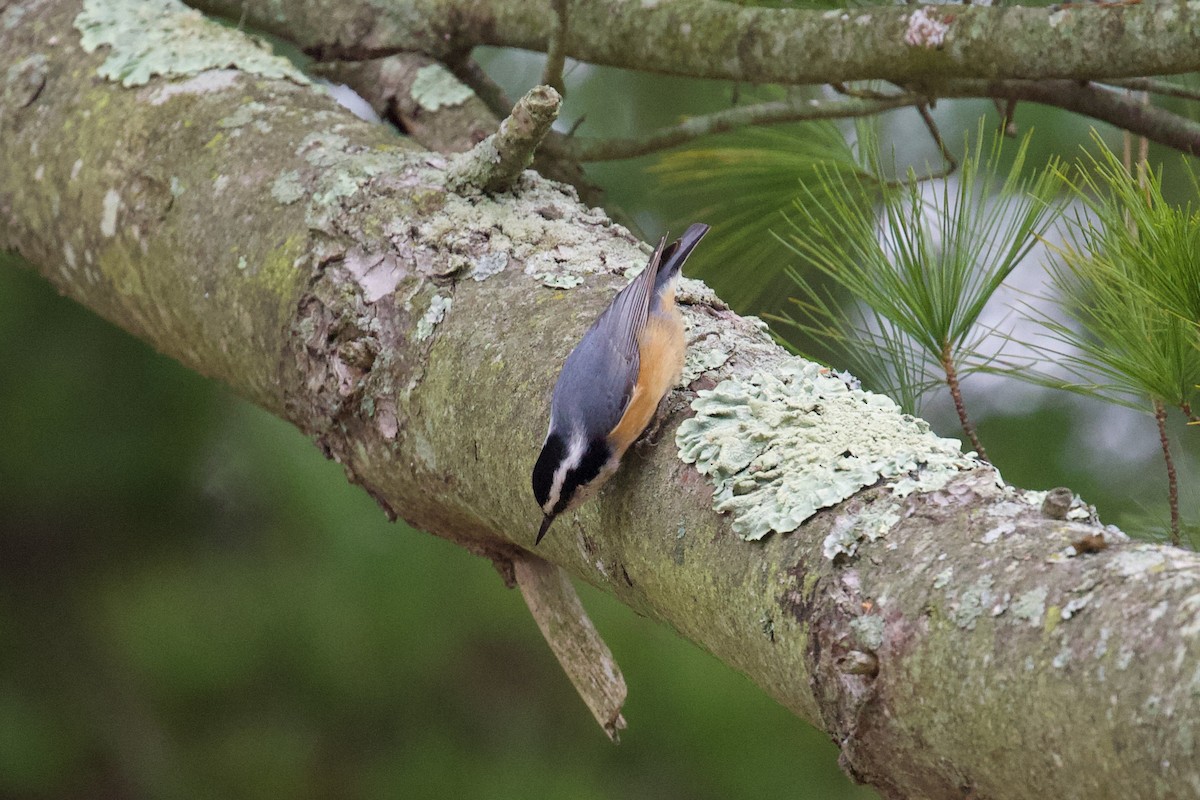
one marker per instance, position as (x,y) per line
(771,113)
(1007,109)
(494,97)
(1156,86)
(577,645)
(947,156)
(575,126)
(949,162)
(1160,416)
(1144,157)
(556,50)
(494,164)
(959,406)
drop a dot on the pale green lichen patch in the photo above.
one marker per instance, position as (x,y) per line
(436,312)
(1063,658)
(1139,562)
(1075,605)
(868,630)
(436,87)
(1031,605)
(851,530)
(12,17)
(287,188)
(701,358)
(972,603)
(246,114)
(341,171)
(554,280)
(164,37)
(780,445)
(942,579)
(24,80)
(489,264)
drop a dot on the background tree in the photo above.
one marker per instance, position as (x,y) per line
(190,605)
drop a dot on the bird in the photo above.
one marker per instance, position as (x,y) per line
(612,382)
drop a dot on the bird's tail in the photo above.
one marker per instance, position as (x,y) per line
(677,252)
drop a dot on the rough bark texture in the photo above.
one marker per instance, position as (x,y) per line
(971,640)
(714,39)
(1040,55)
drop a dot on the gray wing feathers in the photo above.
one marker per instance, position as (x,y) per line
(598,379)
(625,318)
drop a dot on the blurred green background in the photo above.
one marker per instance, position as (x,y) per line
(194,603)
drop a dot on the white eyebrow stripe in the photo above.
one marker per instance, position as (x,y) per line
(575,451)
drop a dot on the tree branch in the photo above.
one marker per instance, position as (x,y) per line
(1157,86)
(420,96)
(714,39)
(925,616)
(585,149)
(494,164)
(1114,107)
(556,49)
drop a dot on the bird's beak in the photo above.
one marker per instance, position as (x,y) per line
(542,530)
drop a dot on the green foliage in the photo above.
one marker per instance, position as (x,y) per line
(741,186)
(1130,273)
(920,268)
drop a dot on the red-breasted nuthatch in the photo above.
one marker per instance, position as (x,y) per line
(612,382)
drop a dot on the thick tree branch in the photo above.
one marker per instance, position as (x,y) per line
(426,101)
(1011,53)
(1118,108)
(421,96)
(714,39)
(952,636)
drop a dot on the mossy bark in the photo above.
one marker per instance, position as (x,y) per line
(972,643)
(715,39)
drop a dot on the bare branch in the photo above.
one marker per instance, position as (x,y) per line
(1157,86)
(420,97)
(490,92)
(497,161)
(951,163)
(556,52)
(1114,107)
(730,119)
(569,631)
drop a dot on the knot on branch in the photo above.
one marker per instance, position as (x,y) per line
(494,164)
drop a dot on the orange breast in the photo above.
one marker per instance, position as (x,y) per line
(660,353)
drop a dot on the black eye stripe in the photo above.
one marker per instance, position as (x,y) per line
(594,458)
(553,452)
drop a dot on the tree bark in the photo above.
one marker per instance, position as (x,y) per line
(956,637)
(1042,55)
(715,39)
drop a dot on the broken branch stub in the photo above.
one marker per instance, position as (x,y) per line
(494,164)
